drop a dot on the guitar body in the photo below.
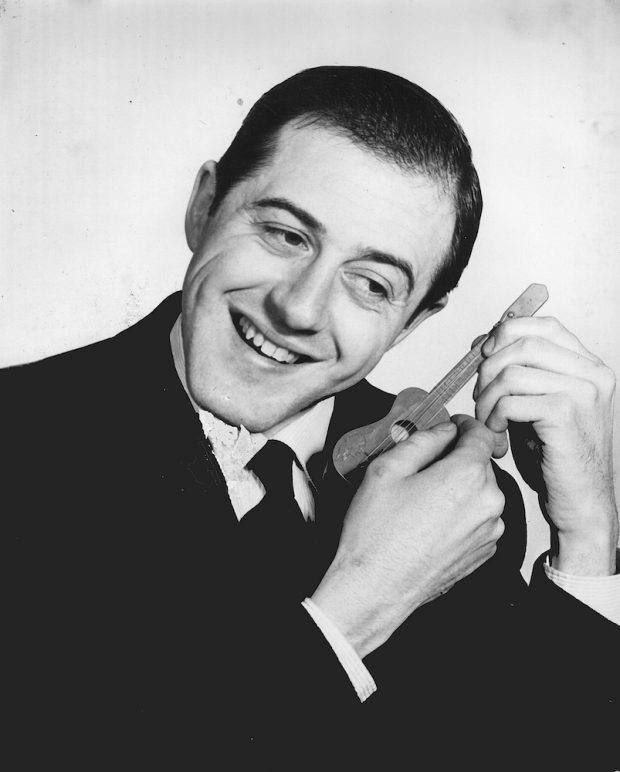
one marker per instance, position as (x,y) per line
(358,448)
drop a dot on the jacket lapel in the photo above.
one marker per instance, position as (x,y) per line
(357,406)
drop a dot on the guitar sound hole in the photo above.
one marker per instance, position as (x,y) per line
(401,430)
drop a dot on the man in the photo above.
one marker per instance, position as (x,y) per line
(177,604)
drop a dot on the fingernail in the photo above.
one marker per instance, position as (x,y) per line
(489,345)
(444,426)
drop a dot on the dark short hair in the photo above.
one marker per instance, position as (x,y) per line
(396,120)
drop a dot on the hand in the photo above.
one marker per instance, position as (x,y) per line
(426,515)
(537,372)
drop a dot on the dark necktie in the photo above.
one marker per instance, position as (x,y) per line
(275,535)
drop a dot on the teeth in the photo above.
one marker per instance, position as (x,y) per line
(281,354)
(266,346)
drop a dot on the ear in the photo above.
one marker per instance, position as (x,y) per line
(419,317)
(200,202)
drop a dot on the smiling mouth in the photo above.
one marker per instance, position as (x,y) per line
(257,341)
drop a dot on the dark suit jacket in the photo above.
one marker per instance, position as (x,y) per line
(143,635)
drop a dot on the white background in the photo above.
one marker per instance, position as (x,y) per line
(108,109)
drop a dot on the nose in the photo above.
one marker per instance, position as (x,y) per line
(300,301)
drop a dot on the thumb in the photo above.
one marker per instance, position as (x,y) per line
(421,448)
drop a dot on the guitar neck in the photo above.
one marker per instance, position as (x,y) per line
(458,376)
(423,414)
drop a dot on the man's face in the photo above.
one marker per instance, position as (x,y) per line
(305,275)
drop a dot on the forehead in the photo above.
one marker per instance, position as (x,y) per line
(361,200)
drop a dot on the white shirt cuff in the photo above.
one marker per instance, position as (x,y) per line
(359,676)
(600,593)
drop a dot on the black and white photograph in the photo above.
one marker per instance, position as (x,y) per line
(309,340)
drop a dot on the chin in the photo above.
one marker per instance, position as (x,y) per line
(253,419)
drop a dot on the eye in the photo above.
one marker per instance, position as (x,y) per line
(375,288)
(283,238)
(369,289)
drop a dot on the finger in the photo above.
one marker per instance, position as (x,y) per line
(544,354)
(416,452)
(534,326)
(493,490)
(474,438)
(478,340)
(522,409)
(529,381)
(501,445)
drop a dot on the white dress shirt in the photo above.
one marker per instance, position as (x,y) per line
(233,447)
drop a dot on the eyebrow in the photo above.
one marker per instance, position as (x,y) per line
(283,203)
(387,259)
(311,222)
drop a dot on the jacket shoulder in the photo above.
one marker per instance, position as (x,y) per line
(101,362)
(88,381)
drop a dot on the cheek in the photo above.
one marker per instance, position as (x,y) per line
(235,265)
(362,338)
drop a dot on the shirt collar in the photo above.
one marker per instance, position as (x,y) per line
(305,434)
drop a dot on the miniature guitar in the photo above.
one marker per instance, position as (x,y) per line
(415,409)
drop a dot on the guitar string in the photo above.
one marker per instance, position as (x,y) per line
(434,400)
(440,394)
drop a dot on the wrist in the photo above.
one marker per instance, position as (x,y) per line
(347,613)
(592,553)
(362,615)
